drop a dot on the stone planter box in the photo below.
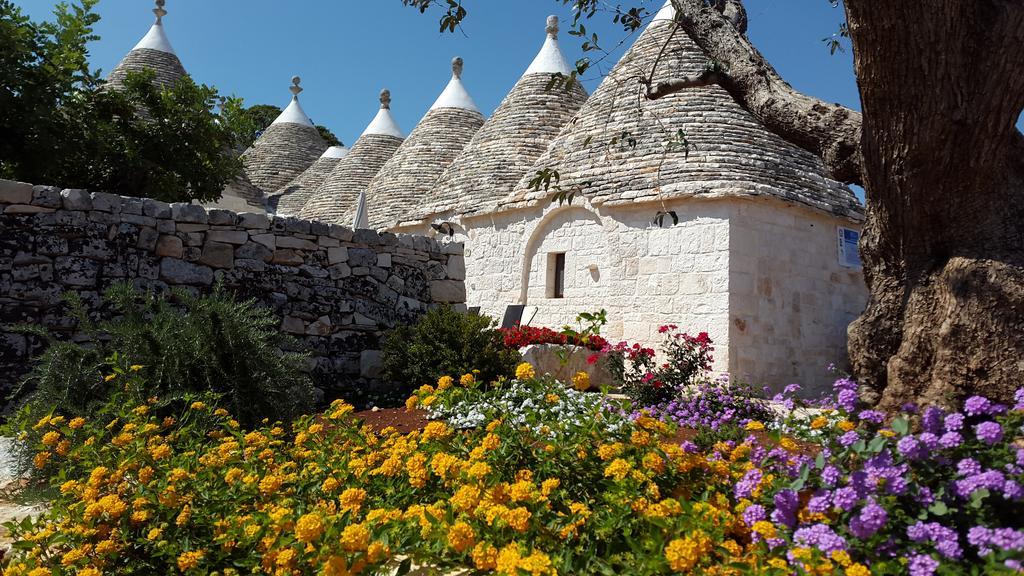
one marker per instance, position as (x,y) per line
(545,359)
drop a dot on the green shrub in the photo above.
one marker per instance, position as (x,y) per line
(182,344)
(442,342)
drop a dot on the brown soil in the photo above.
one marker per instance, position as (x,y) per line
(398,418)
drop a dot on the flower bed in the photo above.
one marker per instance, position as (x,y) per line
(181,488)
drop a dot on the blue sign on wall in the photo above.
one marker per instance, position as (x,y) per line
(849,255)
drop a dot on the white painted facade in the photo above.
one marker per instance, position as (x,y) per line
(761,276)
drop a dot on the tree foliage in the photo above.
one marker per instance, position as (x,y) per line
(59,125)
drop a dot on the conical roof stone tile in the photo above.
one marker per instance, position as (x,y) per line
(622,148)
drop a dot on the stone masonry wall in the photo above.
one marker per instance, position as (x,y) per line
(336,290)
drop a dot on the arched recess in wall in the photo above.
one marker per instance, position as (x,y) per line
(552,222)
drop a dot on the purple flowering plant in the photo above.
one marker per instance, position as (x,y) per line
(944,495)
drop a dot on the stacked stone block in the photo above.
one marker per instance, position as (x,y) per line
(336,290)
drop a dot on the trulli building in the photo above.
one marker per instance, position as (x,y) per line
(290,199)
(685,210)
(408,178)
(154,52)
(337,196)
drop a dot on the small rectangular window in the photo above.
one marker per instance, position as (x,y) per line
(849,253)
(556,275)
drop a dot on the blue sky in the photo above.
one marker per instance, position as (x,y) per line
(347,50)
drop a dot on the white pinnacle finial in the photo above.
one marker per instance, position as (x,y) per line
(552,27)
(457,67)
(295,88)
(159,11)
(385,99)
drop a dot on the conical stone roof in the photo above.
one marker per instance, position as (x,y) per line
(408,179)
(286,148)
(153,52)
(289,200)
(339,192)
(512,139)
(726,152)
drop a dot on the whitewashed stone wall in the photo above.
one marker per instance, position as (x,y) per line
(790,299)
(761,276)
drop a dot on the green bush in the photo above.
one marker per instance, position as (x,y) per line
(442,342)
(181,344)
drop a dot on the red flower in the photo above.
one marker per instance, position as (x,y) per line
(592,359)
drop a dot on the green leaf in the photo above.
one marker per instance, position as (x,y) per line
(939,508)
(901,426)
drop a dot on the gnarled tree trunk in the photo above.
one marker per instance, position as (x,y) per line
(942,85)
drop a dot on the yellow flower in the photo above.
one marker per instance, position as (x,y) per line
(154,534)
(485,556)
(479,469)
(491,442)
(754,425)
(72,556)
(467,380)
(109,377)
(352,499)
(465,498)
(198,405)
(858,569)
(309,528)
(233,475)
(355,538)
(552,398)
(461,537)
(51,438)
(618,469)
(41,459)
(411,402)
(436,431)
(788,444)
(190,560)
(608,451)
(269,484)
(184,516)
(685,553)
(445,382)
(518,518)
(846,425)
(581,381)
(90,571)
(525,371)
(135,367)
(819,422)
(76,423)
(765,529)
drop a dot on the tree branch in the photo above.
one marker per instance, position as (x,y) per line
(829,131)
(667,87)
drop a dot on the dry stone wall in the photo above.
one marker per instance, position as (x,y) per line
(335,289)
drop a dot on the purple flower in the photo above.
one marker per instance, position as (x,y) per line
(1018,399)
(831,475)
(786,502)
(845,498)
(847,400)
(925,497)
(849,439)
(754,513)
(872,416)
(689,447)
(1020,456)
(945,539)
(1012,490)
(909,407)
(818,504)
(954,422)
(991,480)
(819,536)
(922,565)
(950,440)
(746,486)
(968,467)
(910,448)
(988,539)
(977,406)
(870,520)
(930,441)
(932,419)
(989,432)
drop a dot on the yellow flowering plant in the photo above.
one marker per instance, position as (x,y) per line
(330,496)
